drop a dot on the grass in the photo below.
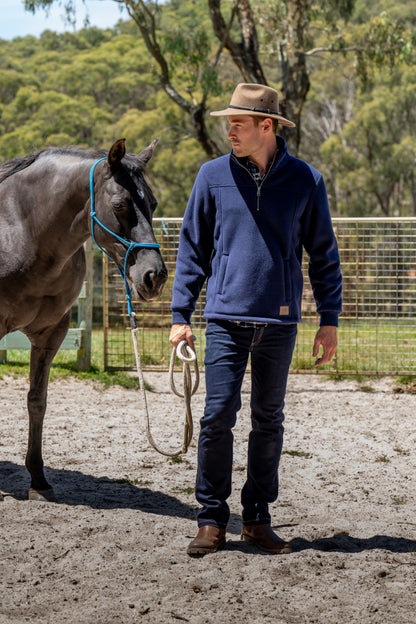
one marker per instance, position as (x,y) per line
(66,370)
(187,490)
(297,454)
(400,451)
(378,354)
(65,366)
(132,481)
(399,500)
(365,347)
(175,459)
(405,383)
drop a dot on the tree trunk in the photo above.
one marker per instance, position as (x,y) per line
(145,20)
(295,85)
(245,52)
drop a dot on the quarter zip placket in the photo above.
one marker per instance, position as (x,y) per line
(258,184)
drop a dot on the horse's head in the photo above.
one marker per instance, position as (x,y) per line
(124,205)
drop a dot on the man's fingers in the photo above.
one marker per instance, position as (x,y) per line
(179,332)
(327,337)
(316,348)
(325,358)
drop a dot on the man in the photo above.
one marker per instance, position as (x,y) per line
(249,215)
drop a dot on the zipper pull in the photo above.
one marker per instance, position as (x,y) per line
(258,197)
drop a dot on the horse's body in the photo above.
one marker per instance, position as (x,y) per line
(44,221)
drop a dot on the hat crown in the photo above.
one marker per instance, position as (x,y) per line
(254,99)
(255,96)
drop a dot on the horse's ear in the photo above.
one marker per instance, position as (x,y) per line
(116,152)
(147,153)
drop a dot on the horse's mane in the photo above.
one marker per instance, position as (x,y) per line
(19,163)
(16,164)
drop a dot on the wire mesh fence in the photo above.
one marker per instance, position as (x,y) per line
(377,333)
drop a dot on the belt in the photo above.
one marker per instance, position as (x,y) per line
(249,324)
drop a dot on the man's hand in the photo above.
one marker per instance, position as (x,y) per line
(179,332)
(327,337)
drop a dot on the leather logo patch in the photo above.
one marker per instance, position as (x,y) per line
(284,310)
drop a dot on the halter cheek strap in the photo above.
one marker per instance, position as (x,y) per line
(130,244)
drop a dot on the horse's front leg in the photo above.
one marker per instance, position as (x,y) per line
(41,358)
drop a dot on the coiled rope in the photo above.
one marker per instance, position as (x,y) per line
(188,356)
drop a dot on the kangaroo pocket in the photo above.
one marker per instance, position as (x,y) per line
(221,273)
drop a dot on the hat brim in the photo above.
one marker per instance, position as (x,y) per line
(227,112)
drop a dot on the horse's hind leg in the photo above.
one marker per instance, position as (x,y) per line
(40,363)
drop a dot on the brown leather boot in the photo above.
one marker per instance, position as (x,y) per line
(263,536)
(208,540)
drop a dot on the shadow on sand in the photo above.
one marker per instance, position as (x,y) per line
(76,488)
(341,543)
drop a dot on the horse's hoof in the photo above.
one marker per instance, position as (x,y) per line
(41,495)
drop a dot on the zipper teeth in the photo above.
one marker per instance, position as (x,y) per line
(254,179)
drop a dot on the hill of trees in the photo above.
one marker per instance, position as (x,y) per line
(345,71)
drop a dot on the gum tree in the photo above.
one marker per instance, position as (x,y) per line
(270,42)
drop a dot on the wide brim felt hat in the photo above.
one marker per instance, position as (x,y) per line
(256,100)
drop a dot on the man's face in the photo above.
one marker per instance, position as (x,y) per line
(246,137)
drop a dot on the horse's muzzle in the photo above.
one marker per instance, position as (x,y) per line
(148,284)
(153,284)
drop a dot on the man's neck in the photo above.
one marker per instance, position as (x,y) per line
(263,160)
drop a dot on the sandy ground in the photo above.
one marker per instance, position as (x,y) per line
(113,549)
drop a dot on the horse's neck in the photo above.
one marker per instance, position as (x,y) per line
(44,218)
(63,208)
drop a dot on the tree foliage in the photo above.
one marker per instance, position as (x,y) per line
(162,71)
(372,159)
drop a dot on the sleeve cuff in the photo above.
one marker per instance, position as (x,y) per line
(181,316)
(329,318)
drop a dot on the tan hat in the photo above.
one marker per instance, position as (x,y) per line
(254,99)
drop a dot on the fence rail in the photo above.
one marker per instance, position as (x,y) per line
(377,333)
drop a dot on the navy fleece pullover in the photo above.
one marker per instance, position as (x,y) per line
(246,239)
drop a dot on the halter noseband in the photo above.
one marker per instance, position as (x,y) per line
(130,244)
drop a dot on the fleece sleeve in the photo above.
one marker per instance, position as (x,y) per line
(195,250)
(324,264)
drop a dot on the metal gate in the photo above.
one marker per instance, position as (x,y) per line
(377,333)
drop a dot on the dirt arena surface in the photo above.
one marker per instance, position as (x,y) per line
(113,548)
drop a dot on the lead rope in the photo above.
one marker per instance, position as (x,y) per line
(188,389)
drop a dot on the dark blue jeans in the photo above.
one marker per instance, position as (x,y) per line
(227,350)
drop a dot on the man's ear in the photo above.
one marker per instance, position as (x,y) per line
(267,124)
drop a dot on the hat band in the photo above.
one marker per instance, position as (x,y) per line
(267,111)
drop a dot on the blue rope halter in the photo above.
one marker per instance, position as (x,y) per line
(131,245)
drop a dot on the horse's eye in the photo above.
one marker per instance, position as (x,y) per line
(118,208)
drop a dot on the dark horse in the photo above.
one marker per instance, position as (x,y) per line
(45,208)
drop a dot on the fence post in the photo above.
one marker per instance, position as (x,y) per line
(85,310)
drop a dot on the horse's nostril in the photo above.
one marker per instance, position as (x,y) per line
(148,279)
(154,280)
